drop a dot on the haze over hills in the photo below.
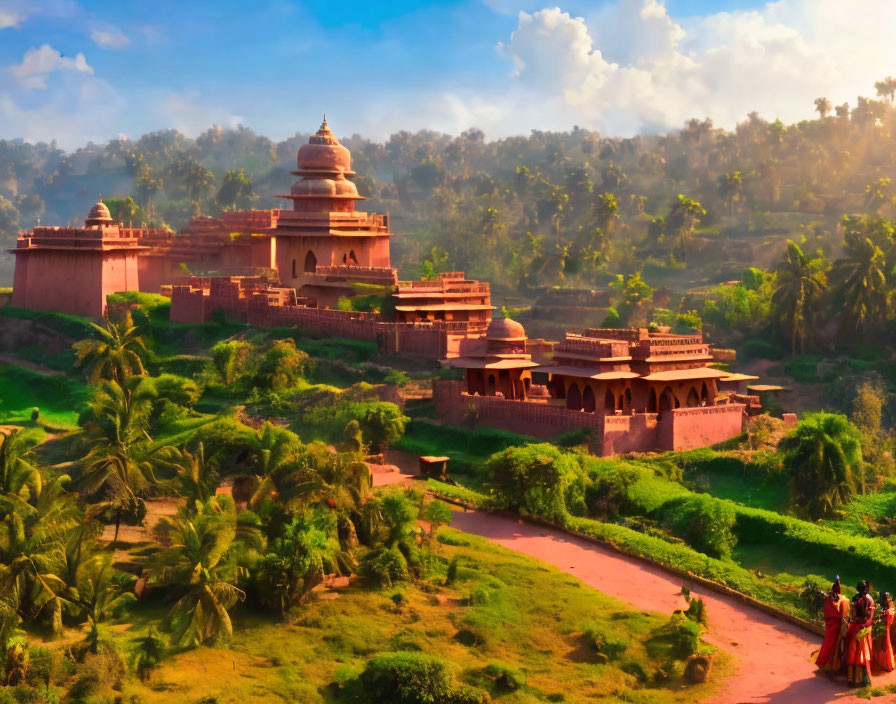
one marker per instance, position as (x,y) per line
(537,206)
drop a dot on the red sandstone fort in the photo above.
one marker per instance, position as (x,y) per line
(634,390)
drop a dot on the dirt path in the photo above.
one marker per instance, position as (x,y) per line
(774,657)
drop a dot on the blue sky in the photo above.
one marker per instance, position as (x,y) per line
(78,70)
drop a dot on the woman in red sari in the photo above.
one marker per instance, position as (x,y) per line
(836,618)
(883,648)
(858,638)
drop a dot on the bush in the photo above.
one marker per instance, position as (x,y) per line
(759,349)
(705,523)
(407,678)
(386,567)
(541,479)
(605,642)
(506,677)
(685,636)
(177,389)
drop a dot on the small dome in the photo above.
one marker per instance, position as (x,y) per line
(505,329)
(99,214)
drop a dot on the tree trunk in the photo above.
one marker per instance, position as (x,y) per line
(117,526)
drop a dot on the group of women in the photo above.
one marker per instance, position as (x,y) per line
(855,638)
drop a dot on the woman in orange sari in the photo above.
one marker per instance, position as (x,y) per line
(836,618)
(858,638)
(883,648)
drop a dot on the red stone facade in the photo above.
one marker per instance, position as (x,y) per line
(73,269)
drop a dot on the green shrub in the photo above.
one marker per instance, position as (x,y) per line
(407,678)
(705,523)
(685,636)
(386,567)
(506,678)
(605,642)
(541,479)
(177,389)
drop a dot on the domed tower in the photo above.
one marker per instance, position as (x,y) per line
(324,166)
(501,366)
(99,215)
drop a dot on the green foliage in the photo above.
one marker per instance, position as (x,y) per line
(704,522)
(684,635)
(540,479)
(383,424)
(413,678)
(822,454)
(605,641)
(507,678)
(281,365)
(177,389)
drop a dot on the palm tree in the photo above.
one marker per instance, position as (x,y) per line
(730,186)
(684,216)
(115,354)
(100,590)
(18,477)
(196,477)
(823,455)
(119,464)
(822,107)
(800,284)
(859,283)
(203,560)
(33,533)
(607,209)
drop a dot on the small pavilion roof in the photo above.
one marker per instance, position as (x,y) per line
(735,376)
(587,373)
(445,306)
(489,363)
(684,374)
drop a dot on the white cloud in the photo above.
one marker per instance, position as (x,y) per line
(190,113)
(109,38)
(10,18)
(39,63)
(631,67)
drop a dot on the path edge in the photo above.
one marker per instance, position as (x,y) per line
(780,614)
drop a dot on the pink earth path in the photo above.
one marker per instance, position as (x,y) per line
(774,663)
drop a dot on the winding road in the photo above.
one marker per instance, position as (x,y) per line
(773,657)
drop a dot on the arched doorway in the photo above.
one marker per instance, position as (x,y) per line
(667,400)
(574,398)
(652,403)
(704,394)
(491,385)
(310,262)
(352,258)
(693,398)
(293,268)
(589,403)
(627,401)
(609,401)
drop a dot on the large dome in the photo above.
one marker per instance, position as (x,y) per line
(505,329)
(99,215)
(324,153)
(324,187)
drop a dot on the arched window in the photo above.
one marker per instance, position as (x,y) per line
(293,268)
(343,259)
(652,405)
(352,258)
(574,398)
(627,401)
(693,398)
(589,403)
(310,262)
(704,394)
(491,385)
